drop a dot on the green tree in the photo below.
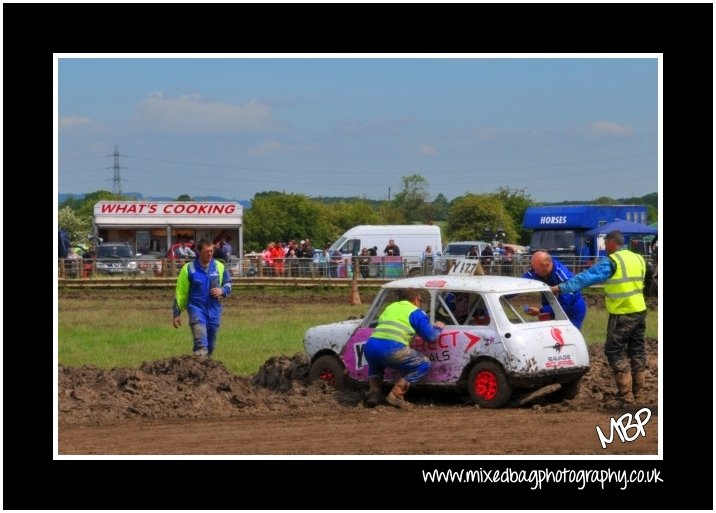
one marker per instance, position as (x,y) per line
(183,197)
(82,213)
(429,212)
(604,200)
(391,213)
(347,214)
(77,228)
(277,216)
(477,217)
(441,206)
(84,208)
(413,196)
(516,200)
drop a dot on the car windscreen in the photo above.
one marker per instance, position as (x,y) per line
(457,249)
(553,239)
(114,251)
(515,307)
(337,245)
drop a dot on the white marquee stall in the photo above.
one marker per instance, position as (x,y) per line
(152,227)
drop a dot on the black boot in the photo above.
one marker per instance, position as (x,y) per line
(374,395)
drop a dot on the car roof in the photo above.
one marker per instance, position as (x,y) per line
(479,243)
(469,283)
(464,242)
(516,247)
(467,242)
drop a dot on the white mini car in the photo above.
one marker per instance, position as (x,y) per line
(489,345)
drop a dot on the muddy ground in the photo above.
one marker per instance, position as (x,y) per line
(168,407)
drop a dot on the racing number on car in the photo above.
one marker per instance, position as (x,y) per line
(463,267)
(360,350)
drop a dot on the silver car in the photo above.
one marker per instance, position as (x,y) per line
(454,250)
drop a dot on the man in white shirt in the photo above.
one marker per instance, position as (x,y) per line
(184,252)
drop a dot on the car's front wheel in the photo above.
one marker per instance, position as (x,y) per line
(488,385)
(329,369)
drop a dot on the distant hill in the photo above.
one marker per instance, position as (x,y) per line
(64,195)
(649,199)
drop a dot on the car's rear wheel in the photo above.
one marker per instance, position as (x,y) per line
(488,385)
(329,369)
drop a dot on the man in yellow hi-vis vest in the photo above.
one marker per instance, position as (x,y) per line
(389,347)
(622,272)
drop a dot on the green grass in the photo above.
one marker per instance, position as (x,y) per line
(96,329)
(594,328)
(123,329)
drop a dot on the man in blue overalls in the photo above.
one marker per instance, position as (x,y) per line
(199,286)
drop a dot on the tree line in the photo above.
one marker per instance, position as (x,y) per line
(281,216)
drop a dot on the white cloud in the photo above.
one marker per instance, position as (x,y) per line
(191,114)
(608,129)
(277,147)
(73,121)
(427,150)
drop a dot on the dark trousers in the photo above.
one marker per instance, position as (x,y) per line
(624,347)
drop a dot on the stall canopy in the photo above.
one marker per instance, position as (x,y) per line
(626,227)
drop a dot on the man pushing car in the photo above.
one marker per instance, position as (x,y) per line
(389,347)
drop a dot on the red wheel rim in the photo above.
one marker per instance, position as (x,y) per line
(485,385)
(327,376)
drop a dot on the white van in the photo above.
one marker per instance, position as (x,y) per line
(411,239)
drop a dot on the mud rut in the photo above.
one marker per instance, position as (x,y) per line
(160,407)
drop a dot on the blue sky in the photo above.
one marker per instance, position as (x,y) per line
(560,128)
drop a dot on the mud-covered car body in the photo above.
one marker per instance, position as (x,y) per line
(492,348)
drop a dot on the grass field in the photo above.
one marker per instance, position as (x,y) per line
(122,328)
